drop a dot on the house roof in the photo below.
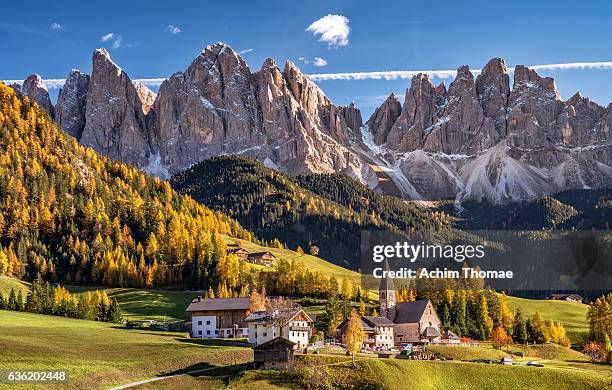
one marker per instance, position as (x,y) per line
(236,250)
(409,312)
(278,340)
(564,296)
(368,323)
(258,254)
(430,331)
(267,316)
(206,304)
(377,321)
(386,283)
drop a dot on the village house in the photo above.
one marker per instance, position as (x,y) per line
(378,332)
(240,252)
(218,317)
(274,354)
(449,337)
(261,258)
(292,324)
(415,322)
(566,297)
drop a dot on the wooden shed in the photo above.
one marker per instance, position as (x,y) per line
(274,354)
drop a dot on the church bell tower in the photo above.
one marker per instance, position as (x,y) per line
(386,294)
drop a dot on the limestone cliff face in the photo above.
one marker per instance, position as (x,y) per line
(463,127)
(383,118)
(114,118)
(72,104)
(480,139)
(485,140)
(280,117)
(35,88)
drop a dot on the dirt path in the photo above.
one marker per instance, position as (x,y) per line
(161,378)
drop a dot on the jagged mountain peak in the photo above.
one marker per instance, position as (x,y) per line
(524,74)
(281,117)
(269,63)
(35,88)
(102,56)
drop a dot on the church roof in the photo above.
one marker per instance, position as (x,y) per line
(386,283)
(430,331)
(377,321)
(410,312)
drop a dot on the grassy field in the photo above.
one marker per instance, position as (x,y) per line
(571,314)
(313,263)
(137,304)
(459,352)
(98,355)
(424,375)
(141,304)
(6,284)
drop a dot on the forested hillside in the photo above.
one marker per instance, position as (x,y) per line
(323,211)
(69,215)
(576,209)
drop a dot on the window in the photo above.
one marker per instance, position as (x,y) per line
(216,331)
(208,322)
(199,322)
(199,333)
(208,332)
(265,334)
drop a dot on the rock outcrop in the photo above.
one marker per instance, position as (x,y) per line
(217,106)
(462,128)
(533,108)
(115,121)
(419,113)
(35,88)
(72,104)
(480,139)
(383,118)
(147,97)
(484,140)
(493,88)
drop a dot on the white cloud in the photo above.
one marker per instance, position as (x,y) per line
(107,37)
(443,74)
(172,29)
(56,26)
(318,61)
(115,39)
(245,51)
(333,29)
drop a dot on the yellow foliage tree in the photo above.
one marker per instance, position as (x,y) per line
(354,335)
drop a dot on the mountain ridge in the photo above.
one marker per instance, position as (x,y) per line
(478,140)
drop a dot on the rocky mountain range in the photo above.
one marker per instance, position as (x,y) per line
(480,139)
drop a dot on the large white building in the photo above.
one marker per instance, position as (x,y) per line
(292,324)
(218,317)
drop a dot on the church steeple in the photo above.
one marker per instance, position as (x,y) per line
(386,295)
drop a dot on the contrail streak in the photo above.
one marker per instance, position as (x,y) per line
(383,75)
(443,74)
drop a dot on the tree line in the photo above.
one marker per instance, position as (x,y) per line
(44,298)
(599,346)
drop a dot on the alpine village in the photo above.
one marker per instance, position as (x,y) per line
(131,258)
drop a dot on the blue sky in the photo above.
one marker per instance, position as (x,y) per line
(50,38)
